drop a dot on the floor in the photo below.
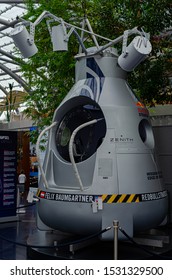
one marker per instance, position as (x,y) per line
(17,232)
(19,238)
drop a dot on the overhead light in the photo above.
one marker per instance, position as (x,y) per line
(135,53)
(24,41)
(59,38)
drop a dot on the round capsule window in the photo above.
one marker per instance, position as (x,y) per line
(146,133)
(88,139)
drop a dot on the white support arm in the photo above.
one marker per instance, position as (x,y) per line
(71,150)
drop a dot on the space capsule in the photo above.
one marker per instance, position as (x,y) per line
(100,163)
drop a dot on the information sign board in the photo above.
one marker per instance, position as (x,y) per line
(8,173)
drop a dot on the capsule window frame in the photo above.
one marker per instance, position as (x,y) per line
(146,133)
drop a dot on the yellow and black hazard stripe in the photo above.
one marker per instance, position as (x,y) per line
(120,198)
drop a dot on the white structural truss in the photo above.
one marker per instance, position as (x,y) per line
(9,69)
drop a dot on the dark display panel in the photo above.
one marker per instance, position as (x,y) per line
(8,173)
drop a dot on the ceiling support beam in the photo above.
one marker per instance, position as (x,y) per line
(7,54)
(8,24)
(4,74)
(9,61)
(4,90)
(15,77)
(15,1)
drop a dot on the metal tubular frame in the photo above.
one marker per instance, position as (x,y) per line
(6,56)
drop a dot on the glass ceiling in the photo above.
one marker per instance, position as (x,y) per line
(9,69)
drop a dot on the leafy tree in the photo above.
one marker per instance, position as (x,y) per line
(8,105)
(51,74)
(151,79)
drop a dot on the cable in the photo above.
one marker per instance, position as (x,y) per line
(58,245)
(19,207)
(139,246)
(83,240)
(25,206)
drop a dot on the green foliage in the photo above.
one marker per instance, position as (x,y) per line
(51,74)
(9,103)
